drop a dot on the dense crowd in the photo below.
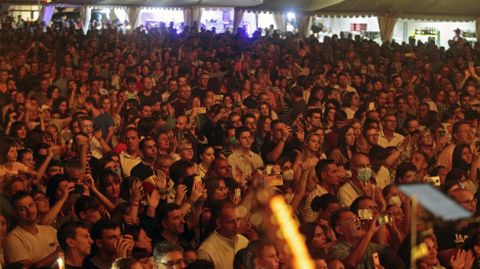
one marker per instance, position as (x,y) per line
(137,150)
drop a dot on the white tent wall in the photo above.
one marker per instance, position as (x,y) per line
(336,25)
(221,18)
(405,28)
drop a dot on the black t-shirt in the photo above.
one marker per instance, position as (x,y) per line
(269,146)
(452,235)
(149,100)
(142,171)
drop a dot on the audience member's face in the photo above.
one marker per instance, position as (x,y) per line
(431,258)
(91,215)
(315,120)
(108,240)
(222,168)
(181,123)
(174,222)
(465,198)
(144,242)
(163,142)
(419,161)
(349,226)
(220,192)
(208,156)
(331,175)
(319,239)
(228,223)
(245,140)
(42,203)
(173,259)
(268,258)
(372,136)
(390,123)
(82,241)
(112,189)
(26,210)
(150,149)
(464,134)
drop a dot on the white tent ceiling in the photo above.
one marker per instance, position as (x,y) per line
(168,3)
(418,9)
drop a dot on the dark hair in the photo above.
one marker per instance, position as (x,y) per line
(322,202)
(201,264)
(15,127)
(347,99)
(68,230)
(308,230)
(85,203)
(239,259)
(52,187)
(240,130)
(342,142)
(335,218)
(322,166)
(178,169)
(145,126)
(18,196)
(457,161)
(100,226)
(141,146)
(165,209)
(356,203)
(5,145)
(402,169)
(103,179)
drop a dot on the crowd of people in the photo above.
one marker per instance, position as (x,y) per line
(137,150)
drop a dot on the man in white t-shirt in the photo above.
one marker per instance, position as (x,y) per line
(30,244)
(222,245)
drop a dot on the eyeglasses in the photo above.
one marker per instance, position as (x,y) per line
(173,263)
(351,220)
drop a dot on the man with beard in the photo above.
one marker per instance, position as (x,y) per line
(30,244)
(76,243)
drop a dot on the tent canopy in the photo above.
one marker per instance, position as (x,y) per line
(409,9)
(160,3)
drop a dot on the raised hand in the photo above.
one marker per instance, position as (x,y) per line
(180,194)
(153,199)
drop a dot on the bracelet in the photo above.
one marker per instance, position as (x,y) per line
(134,203)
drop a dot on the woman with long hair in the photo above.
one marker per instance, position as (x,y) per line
(465,159)
(206,155)
(310,154)
(346,146)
